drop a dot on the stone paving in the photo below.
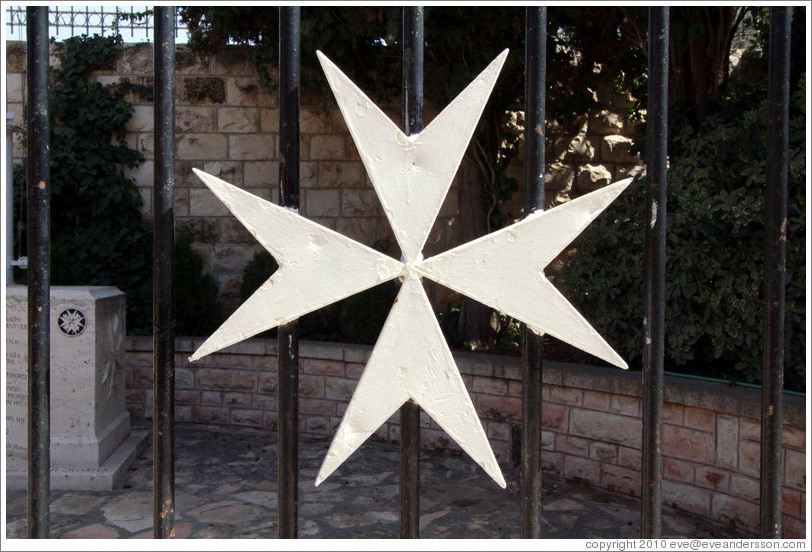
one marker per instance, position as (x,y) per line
(226,488)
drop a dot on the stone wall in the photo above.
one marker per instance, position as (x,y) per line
(591,431)
(227,124)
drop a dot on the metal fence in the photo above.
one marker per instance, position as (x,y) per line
(164,369)
(134,25)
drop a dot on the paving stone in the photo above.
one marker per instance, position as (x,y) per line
(95,531)
(131,512)
(227,512)
(226,488)
(76,504)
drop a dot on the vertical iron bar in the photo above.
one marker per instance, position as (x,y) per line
(413,54)
(657,148)
(288,336)
(39,260)
(163,277)
(535,68)
(772,399)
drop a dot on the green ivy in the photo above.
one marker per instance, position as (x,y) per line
(715,253)
(98,236)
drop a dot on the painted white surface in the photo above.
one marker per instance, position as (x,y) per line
(505,270)
(317,266)
(411,174)
(411,360)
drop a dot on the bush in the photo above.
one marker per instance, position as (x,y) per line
(715,253)
(98,236)
(198,311)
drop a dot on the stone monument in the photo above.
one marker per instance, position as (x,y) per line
(91,442)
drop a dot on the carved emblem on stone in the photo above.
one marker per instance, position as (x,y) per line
(72,322)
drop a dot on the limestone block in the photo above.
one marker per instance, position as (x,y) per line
(339,389)
(624,404)
(14,88)
(566,395)
(229,284)
(143,175)
(580,149)
(359,203)
(554,416)
(491,407)
(322,203)
(91,442)
(137,60)
(188,62)
(603,452)
(677,470)
(359,229)
(602,426)
(181,202)
(749,457)
(231,258)
(734,511)
(229,170)
(268,193)
(335,174)
(619,479)
(727,438)
(712,478)
(605,122)
(269,119)
(248,92)
(327,146)
(252,146)
(194,119)
(581,469)
(687,497)
(142,119)
(202,146)
(591,177)
(626,170)
(308,174)
(145,143)
(203,90)
(689,444)
(238,119)
(232,60)
(203,203)
(146,200)
(744,487)
(316,121)
(795,475)
(15,57)
(200,230)
(617,149)
(235,233)
(700,418)
(266,173)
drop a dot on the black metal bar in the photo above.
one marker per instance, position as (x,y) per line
(657,148)
(39,269)
(413,55)
(535,69)
(163,259)
(288,336)
(772,391)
